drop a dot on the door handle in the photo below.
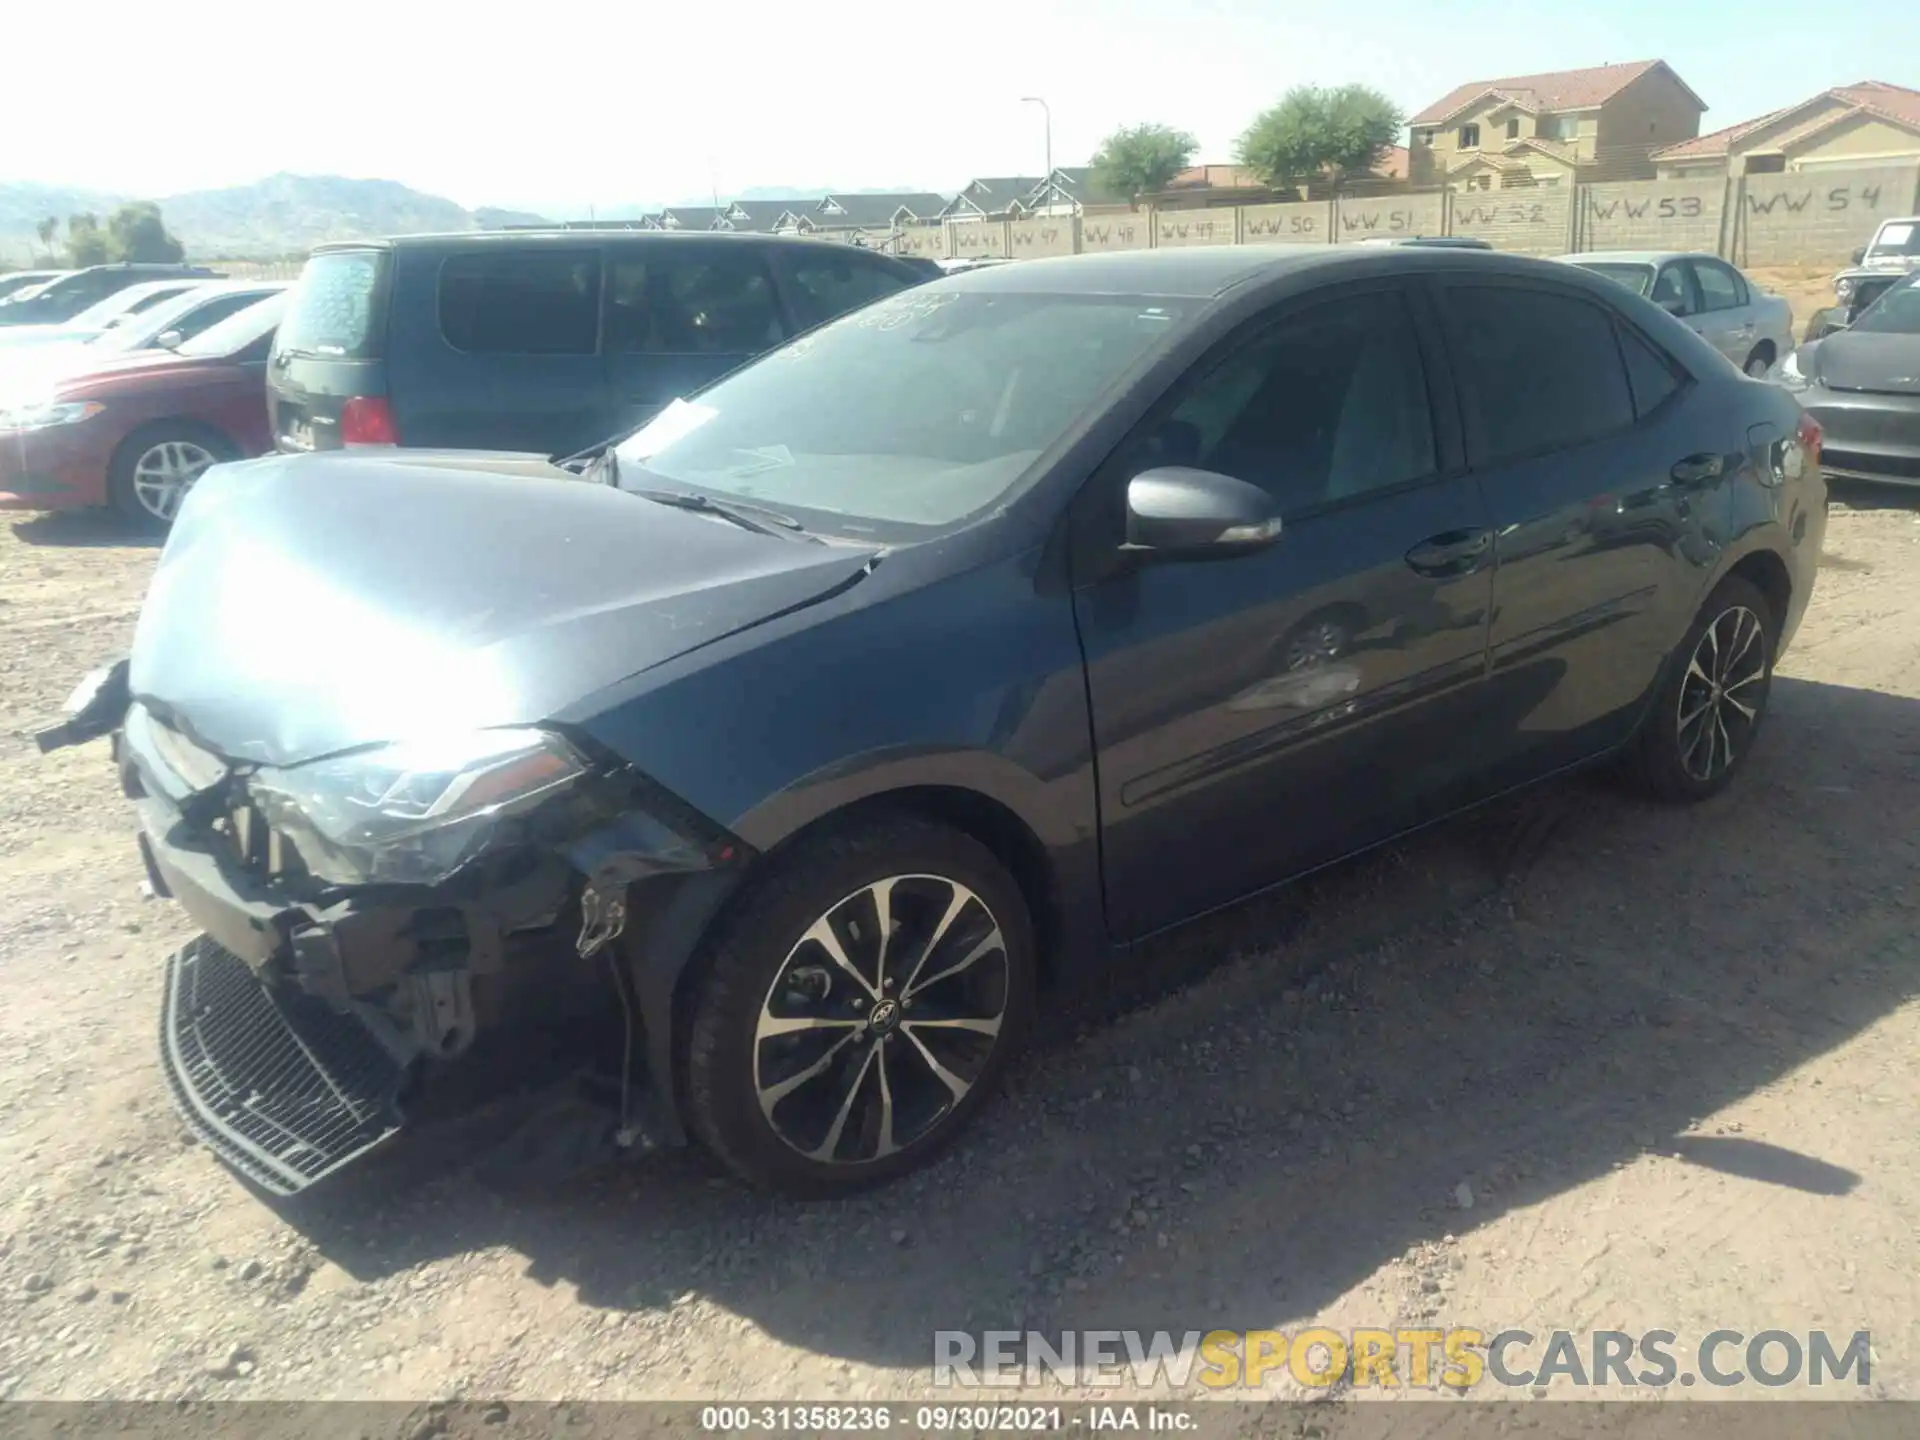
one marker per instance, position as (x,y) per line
(1699,469)
(1457,552)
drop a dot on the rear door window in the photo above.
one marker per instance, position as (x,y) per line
(821,286)
(680,299)
(335,307)
(521,302)
(1543,368)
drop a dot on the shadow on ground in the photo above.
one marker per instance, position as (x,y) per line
(1517,1004)
(83,529)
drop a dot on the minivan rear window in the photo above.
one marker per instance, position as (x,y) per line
(333,305)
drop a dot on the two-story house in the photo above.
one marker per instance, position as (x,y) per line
(1871,123)
(1562,128)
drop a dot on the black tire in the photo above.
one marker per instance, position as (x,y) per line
(874,1067)
(124,491)
(1675,757)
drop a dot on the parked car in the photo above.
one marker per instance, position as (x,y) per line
(59,301)
(164,324)
(1893,252)
(1863,385)
(832,721)
(137,432)
(19,283)
(540,341)
(1750,327)
(98,318)
(1439,242)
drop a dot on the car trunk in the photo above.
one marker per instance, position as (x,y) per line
(327,383)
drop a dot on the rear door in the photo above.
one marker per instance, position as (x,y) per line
(1725,320)
(1604,510)
(331,346)
(497,347)
(680,314)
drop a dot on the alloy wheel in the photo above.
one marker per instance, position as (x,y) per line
(881,1019)
(164,474)
(1721,693)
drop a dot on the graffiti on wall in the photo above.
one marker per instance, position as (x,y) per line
(1658,207)
(1834,201)
(1506,213)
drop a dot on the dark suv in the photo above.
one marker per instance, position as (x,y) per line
(60,300)
(548,341)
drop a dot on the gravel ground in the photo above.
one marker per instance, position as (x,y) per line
(1579,1062)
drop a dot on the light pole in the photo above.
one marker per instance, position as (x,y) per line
(1048,113)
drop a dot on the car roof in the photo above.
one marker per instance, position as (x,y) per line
(1204,272)
(559,236)
(1637,257)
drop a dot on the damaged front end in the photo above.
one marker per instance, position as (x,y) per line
(370,915)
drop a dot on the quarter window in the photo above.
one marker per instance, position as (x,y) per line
(521,302)
(1543,370)
(1649,374)
(1329,404)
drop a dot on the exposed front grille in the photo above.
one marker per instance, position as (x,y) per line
(279,1085)
(1861,462)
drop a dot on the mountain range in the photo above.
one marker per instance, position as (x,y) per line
(286,215)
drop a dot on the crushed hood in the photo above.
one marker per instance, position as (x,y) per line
(1885,363)
(314,603)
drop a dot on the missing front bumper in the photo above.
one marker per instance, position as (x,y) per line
(280,1086)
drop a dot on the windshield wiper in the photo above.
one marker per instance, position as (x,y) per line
(739,512)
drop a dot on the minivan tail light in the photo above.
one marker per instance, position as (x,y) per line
(368,420)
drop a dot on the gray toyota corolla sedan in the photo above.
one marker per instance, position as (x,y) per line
(812,738)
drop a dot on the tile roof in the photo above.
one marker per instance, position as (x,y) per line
(759,215)
(867,211)
(1873,97)
(1555,90)
(691,217)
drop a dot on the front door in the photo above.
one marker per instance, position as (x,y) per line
(1257,716)
(679,316)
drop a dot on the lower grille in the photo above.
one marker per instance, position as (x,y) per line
(280,1086)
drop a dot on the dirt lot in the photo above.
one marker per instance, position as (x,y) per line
(1577,1063)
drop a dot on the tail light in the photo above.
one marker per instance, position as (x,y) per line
(368,420)
(1810,435)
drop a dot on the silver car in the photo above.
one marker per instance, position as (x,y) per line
(1744,323)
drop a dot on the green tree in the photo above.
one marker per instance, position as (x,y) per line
(86,243)
(1141,159)
(46,230)
(136,232)
(1314,133)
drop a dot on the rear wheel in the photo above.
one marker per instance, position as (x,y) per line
(1760,361)
(154,468)
(859,1008)
(1710,707)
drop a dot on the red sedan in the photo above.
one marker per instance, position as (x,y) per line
(136,433)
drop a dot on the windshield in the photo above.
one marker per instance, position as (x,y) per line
(149,321)
(131,301)
(1900,239)
(246,327)
(1637,278)
(918,411)
(1895,313)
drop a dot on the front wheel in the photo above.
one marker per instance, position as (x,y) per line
(859,1007)
(154,468)
(1708,711)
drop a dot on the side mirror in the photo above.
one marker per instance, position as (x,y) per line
(1182,513)
(1860,256)
(169,339)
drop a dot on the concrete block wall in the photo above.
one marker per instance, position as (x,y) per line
(1811,218)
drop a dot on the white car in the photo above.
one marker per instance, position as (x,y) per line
(1750,327)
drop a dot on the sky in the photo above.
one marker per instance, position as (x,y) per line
(578,104)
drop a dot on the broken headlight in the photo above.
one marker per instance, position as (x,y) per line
(411,813)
